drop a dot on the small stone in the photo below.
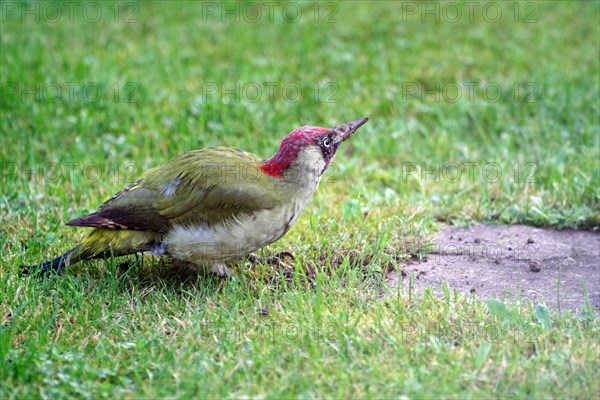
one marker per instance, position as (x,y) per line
(534,266)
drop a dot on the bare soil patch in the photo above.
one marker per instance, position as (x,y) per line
(543,265)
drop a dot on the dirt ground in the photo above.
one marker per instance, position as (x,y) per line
(511,261)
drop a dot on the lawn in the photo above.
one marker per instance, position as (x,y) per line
(481,112)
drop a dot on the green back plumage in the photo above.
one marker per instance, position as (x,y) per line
(201,186)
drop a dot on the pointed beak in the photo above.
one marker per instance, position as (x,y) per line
(344,131)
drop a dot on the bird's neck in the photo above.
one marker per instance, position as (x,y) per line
(301,178)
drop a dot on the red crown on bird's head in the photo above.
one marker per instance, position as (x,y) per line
(290,147)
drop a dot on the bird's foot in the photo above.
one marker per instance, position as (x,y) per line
(254,258)
(221,269)
(284,259)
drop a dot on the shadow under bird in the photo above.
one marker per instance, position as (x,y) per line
(210,207)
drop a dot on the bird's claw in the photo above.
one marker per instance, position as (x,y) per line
(254,258)
(283,259)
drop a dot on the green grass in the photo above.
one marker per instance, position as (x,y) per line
(103,332)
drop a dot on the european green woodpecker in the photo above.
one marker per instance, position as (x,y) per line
(212,206)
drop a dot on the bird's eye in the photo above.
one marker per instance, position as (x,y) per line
(326,142)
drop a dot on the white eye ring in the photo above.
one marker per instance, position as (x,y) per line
(326,142)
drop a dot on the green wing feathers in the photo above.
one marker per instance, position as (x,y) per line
(201,186)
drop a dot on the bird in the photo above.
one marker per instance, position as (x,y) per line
(209,207)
